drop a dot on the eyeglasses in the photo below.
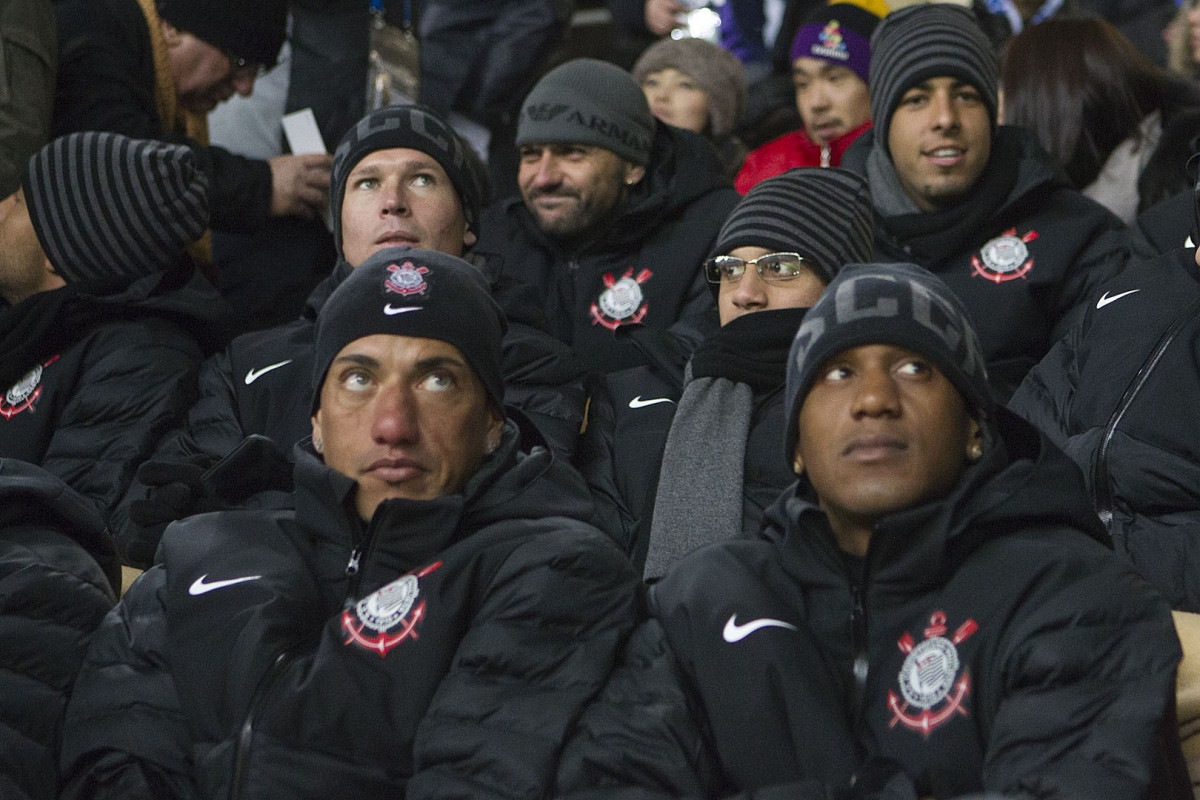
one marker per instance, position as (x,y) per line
(773,267)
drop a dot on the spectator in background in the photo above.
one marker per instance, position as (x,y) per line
(1120,127)
(831,57)
(28,56)
(104,320)
(696,85)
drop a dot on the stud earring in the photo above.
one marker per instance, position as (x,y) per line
(976,452)
(491,447)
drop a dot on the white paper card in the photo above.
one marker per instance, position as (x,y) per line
(303,135)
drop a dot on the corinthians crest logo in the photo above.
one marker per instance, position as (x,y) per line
(1004,258)
(930,690)
(622,302)
(25,392)
(385,618)
(406,279)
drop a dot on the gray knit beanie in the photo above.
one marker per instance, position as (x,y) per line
(823,214)
(110,209)
(928,40)
(899,304)
(586,101)
(715,69)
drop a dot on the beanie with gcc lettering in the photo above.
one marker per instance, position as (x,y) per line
(586,101)
(420,293)
(897,304)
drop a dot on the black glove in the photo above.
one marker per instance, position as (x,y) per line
(174,490)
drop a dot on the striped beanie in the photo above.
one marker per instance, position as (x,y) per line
(715,69)
(928,40)
(823,214)
(110,209)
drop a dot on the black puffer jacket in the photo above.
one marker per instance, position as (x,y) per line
(1118,395)
(440,651)
(1024,252)
(646,268)
(988,642)
(106,80)
(53,595)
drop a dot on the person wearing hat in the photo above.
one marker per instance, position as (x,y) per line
(401,176)
(830,57)
(153,69)
(425,614)
(698,86)
(615,214)
(103,320)
(678,457)
(981,205)
(930,610)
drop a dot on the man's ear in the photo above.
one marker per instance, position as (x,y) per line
(469,239)
(318,441)
(495,429)
(634,173)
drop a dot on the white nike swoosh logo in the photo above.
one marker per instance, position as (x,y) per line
(200,587)
(255,374)
(638,402)
(1105,300)
(735,633)
(392,310)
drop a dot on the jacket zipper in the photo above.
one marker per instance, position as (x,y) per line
(826,156)
(241,771)
(861,665)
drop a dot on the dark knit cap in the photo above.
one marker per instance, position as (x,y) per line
(421,293)
(898,304)
(586,101)
(417,128)
(839,33)
(110,209)
(823,214)
(716,70)
(249,29)
(928,40)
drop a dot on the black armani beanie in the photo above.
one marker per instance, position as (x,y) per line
(898,304)
(249,29)
(824,214)
(928,40)
(405,292)
(586,101)
(417,128)
(111,209)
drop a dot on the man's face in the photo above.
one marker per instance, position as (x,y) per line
(22,260)
(676,99)
(401,196)
(404,417)
(754,293)
(204,75)
(881,430)
(832,100)
(573,190)
(940,138)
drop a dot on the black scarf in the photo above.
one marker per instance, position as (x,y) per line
(40,326)
(752,349)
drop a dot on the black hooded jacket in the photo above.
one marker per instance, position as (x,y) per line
(442,650)
(989,642)
(645,268)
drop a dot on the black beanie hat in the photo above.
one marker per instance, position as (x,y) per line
(824,214)
(110,209)
(928,40)
(249,29)
(898,304)
(405,292)
(586,101)
(417,128)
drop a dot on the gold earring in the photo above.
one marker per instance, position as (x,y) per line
(491,447)
(797,468)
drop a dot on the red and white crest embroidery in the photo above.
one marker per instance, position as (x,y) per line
(406,279)
(622,302)
(929,692)
(25,392)
(1004,258)
(389,612)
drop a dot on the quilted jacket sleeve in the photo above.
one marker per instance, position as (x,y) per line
(541,645)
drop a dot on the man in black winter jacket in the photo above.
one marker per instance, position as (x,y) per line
(616,214)
(401,176)
(930,611)
(981,206)
(103,321)
(423,616)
